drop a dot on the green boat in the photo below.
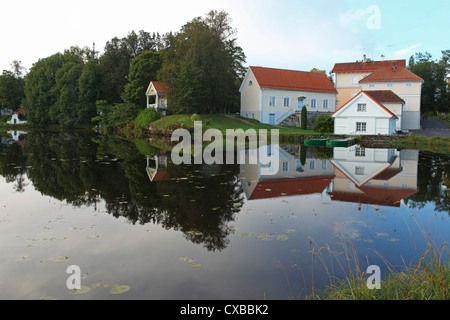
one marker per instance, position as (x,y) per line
(316,142)
(339,143)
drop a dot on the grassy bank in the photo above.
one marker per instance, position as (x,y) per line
(222,123)
(434,144)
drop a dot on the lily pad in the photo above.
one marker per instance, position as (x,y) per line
(82,290)
(59,259)
(119,289)
(194,264)
(282,237)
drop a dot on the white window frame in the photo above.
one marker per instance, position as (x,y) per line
(409,84)
(360,126)
(362,107)
(354,79)
(360,152)
(272,101)
(390,85)
(359,171)
(314,103)
(371,85)
(326,104)
(285,166)
(288,100)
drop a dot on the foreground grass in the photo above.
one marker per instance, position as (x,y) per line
(428,279)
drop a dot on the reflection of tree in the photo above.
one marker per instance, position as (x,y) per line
(84,169)
(433,172)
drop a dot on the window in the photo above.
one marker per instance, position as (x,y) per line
(371,85)
(324,164)
(272,101)
(312,165)
(287,101)
(360,152)
(359,171)
(355,80)
(361,126)
(285,166)
(250,83)
(313,103)
(389,85)
(408,84)
(325,103)
(361,107)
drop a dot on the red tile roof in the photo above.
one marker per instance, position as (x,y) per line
(366,66)
(292,80)
(288,187)
(384,96)
(391,74)
(160,87)
(374,195)
(370,97)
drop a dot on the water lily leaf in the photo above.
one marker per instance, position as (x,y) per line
(282,237)
(194,264)
(289,230)
(195,233)
(59,259)
(393,239)
(82,290)
(119,289)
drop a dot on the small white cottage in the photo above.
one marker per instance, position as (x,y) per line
(369,113)
(15,119)
(157,96)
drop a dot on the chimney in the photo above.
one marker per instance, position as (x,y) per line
(394,67)
(364,58)
(382,57)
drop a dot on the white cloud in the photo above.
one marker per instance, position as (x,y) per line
(403,52)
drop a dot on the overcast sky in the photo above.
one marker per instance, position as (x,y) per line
(290,34)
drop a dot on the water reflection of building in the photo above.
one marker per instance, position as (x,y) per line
(157,167)
(374,176)
(292,177)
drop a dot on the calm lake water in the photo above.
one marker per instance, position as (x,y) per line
(140,227)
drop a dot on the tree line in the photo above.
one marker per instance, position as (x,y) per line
(202,65)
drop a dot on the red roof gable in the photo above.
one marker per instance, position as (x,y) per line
(391,74)
(292,80)
(375,195)
(160,87)
(365,93)
(384,96)
(366,66)
(289,187)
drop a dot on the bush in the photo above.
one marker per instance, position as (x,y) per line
(324,124)
(145,117)
(304,118)
(195,117)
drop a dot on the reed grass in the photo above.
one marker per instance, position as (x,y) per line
(427,279)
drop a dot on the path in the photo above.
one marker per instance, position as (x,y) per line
(237,118)
(432,128)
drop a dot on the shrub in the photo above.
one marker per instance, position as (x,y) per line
(145,117)
(195,117)
(324,124)
(304,119)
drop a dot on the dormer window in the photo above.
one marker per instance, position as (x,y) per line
(250,83)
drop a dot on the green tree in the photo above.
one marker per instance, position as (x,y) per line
(89,87)
(304,118)
(116,60)
(435,88)
(209,46)
(143,69)
(12,86)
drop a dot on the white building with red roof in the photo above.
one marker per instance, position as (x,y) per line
(271,96)
(157,96)
(368,114)
(354,77)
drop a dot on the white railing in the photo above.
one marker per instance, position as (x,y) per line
(285,116)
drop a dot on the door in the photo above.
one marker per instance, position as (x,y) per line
(272,119)
(300,104)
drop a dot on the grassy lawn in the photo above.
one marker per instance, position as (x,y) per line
(222,123)
(445,119)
